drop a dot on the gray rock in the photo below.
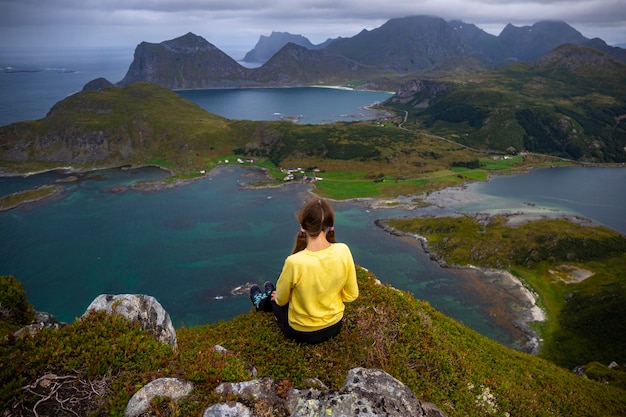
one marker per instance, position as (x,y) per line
(230,409)
(163,387)
(43,320)
(366,393)
(264,388)
(139,308)
(388,396)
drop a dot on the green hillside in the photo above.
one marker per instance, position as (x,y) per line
(118,126)
(441,361)
(569,104)
(577,270)
(147,124)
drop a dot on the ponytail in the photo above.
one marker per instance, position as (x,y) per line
(300,241)
(330,235)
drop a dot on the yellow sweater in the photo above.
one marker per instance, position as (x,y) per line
(316,284)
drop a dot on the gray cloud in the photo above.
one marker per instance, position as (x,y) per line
(239,23)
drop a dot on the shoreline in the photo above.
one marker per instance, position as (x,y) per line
(515,307)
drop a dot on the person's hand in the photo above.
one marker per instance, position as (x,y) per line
(273,296)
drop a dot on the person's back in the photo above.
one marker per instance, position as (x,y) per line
(318,283)
(316,280)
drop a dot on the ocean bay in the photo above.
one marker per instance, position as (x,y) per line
(189,246)
(313,105)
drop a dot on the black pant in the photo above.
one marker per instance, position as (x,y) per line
(282,318)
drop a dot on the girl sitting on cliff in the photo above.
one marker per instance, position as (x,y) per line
(317,279)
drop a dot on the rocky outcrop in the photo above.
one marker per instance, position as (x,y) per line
(42,321)
(139,308)
(419,92)
(366,392)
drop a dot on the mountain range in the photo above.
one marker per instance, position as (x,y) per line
(400,46)
(267,46)
(568,102)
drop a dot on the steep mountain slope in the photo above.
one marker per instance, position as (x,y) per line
(403,45)
(528,42)
(399,47)
(185,62)
(484,44)
(295,64)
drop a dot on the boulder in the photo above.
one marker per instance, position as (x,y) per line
(163,387)
(139,308)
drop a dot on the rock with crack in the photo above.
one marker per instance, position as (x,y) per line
(139,308)
(163,387)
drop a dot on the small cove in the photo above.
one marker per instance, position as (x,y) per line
(313,105)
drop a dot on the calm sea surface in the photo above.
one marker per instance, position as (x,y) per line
(595,193)
(30,84)
(304,104)
(190,246)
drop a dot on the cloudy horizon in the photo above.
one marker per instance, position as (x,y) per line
(235,27)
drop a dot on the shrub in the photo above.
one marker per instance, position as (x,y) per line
(14,308)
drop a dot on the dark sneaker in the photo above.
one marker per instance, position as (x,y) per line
(269,287)
(256,296)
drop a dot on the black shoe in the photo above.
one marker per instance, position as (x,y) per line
(256,296)
(269,288)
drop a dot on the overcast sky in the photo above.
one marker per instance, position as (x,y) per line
(235,25)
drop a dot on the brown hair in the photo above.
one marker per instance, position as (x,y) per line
(315,216)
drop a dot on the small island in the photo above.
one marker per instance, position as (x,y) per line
(11,201)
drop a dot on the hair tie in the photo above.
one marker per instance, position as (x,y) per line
(302,230)
(331,229)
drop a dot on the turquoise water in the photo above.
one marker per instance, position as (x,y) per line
(190,246)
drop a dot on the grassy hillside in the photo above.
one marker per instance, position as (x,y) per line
(118,126)
(462,372)
(578,272)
